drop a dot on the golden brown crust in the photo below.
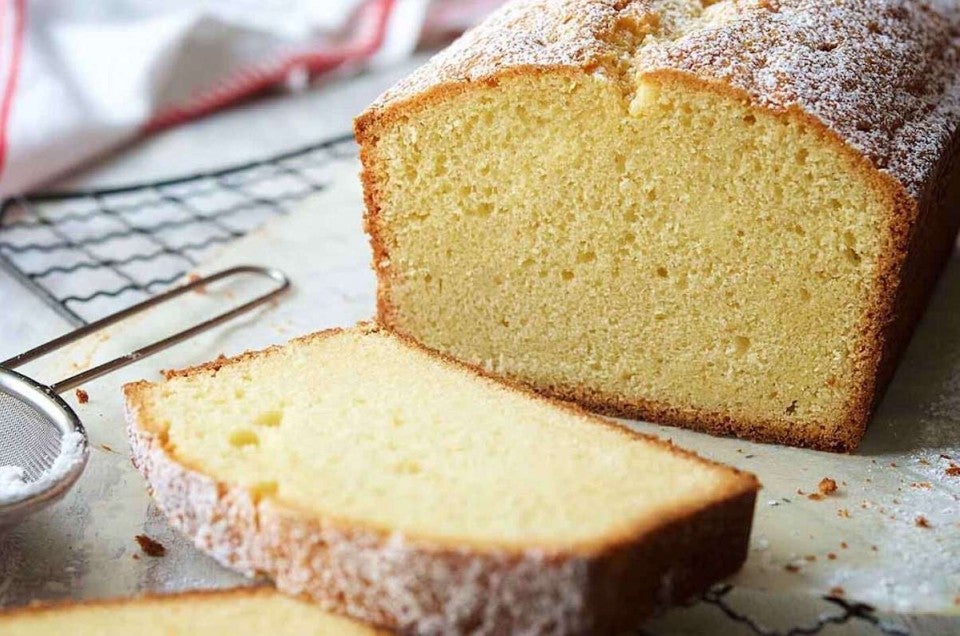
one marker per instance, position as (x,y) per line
(921,225)
(686,553)
(418,583)
(927,246)
(835,438)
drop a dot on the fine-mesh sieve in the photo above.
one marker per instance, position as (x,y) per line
(43,446)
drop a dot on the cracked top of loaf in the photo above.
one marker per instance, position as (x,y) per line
(884,75)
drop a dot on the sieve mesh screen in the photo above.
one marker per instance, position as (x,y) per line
(27,436)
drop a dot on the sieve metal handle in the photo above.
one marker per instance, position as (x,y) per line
(282,284)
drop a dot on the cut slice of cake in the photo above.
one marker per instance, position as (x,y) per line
(235,612)
(726,215)
(404,489)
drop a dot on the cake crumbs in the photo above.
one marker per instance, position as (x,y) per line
(843,545)
(150,547)
(953,470)
(874,548)
(832,556)
(893,464)
(827,486)
(810,557)
(815,496)
(790,567)
(921,484)
(193,278)
(921,522)
(844,513)
(82,396)
(836,590)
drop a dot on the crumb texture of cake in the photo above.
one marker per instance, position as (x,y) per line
(238,612)
(404,489)
(722,215)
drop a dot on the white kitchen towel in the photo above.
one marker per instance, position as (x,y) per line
(78,79)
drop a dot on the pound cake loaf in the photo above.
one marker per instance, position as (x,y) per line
(726,215)
(236,612)
(398,487)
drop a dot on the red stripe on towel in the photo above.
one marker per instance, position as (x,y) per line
(250,81)
(10,86)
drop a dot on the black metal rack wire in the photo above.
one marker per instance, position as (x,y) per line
(88,253)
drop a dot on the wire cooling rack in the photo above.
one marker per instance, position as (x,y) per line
(89,253)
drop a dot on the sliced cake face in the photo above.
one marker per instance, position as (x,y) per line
(364,430)
(222,613)
(668,252)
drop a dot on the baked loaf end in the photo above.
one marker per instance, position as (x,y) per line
(236,612)
(722,215)
(403,489)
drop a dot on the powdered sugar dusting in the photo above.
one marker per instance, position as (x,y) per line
(539,33)
(14,488)
(882,74)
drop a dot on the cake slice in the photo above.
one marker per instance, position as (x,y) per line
(237,612)
(401,488)
(721,214)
